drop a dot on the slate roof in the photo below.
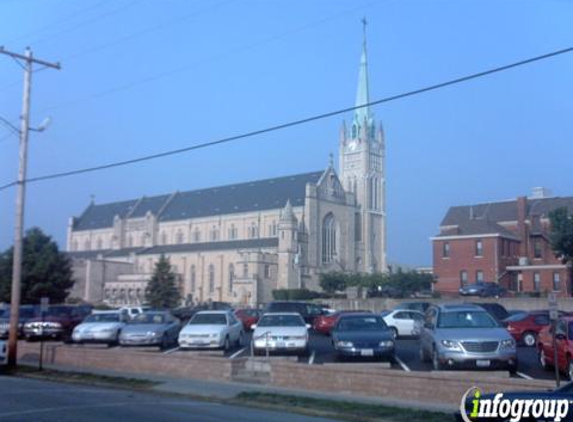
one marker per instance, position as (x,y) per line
(504,211)
(243,197)
(269,242)
(485,218)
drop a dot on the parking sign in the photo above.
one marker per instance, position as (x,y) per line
(552,299)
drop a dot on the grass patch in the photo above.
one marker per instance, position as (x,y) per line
(83,378)
(342,409)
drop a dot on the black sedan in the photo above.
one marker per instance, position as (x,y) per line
(534,406)
(362,335)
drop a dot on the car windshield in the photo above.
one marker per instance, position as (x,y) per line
(466,319)
(59,311)
(517,317)
(208,319)
(281,321)
(149,318)
(361,323)
(103,318)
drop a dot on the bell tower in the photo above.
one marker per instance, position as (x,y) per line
(362,172)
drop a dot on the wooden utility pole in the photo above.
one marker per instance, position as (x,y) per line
(28,62)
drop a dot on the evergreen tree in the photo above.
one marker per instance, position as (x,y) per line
(45,270)
(162,290)
(562,234)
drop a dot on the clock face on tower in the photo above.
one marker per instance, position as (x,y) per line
(352,145)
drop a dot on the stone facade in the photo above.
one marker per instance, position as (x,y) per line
(238,243)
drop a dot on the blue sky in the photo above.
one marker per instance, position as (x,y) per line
(142,76)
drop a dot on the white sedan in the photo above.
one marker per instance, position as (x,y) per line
(100,327)
(280,332)
(212,330)
(404,322)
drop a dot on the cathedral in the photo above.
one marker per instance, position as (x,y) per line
(238,243)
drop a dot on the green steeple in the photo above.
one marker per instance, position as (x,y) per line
(363,114)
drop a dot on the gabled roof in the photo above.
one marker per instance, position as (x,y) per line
(243,197)
(477,226)
(504,211)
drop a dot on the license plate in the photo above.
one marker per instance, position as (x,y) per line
(483,363)
(280,344)
(367,352)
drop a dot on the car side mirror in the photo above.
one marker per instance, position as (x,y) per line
(254,326)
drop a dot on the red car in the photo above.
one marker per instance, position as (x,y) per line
(564,341)
(525,326)
(325,323)
(248,317)
(57,323)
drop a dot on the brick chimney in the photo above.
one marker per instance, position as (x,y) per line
(521,226)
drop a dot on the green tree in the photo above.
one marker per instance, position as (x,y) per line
(562,234)
(163,290)
(333,282)
(45,270)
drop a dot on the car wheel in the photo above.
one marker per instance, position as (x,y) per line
(164,342)
(529,339)
(543,360)
(436,364)
(394,332)
(241,340)
(227,344)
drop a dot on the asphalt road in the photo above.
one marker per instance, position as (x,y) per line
(34,400)
(407,353)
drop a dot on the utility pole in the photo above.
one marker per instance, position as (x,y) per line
(28,62)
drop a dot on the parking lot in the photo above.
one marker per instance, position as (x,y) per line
(321,352)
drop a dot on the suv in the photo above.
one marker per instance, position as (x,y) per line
(466,336)
(57,323)
(309,311)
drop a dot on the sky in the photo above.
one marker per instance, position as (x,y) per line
(143,76)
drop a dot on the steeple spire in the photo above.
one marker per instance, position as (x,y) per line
(362,95)
(363,114)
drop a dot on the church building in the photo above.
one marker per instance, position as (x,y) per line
(238,243)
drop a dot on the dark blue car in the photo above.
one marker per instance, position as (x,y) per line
(363,335)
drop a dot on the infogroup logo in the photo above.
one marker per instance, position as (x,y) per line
(474,407)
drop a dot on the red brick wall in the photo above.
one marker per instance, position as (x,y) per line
(462,257)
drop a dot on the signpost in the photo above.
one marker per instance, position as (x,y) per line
(44,304)
(553,315)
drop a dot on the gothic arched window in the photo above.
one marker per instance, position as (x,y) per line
(328,238)
(87,245)
(211,278)
(231,276)
(179,237)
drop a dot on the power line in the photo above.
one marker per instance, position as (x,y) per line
(292,123)
(184,67)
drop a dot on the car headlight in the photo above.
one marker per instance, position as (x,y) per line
(152,334)
(452,345)
(344,344)
(387,343)
(507,344)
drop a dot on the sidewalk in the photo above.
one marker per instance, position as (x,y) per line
(227,390)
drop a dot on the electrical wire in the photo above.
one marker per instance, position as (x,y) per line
(293,123)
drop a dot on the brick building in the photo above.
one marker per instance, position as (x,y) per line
(505,242)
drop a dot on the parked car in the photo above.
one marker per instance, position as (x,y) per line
(465,336)
(185,313)
(248,317)
(309,311)
(525,327)
(212,329)
(495,310)
(547,396)
(132,311)
(483,289)
(564,343)
(363,335)
(414,306)
(27,312)
(153,328)
(280,332)
(325,323)
(100,327)
(57,323)
(404,322)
